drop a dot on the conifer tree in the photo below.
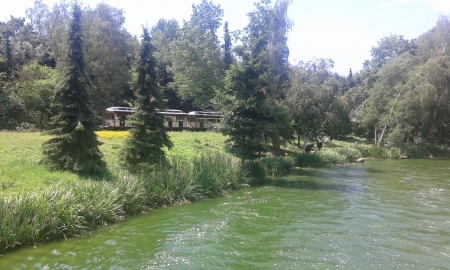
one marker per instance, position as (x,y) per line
(228,58)
(142,148)
(74,146)
(9,58)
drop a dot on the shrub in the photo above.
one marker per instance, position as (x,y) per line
(331,157)
(254,171)
(307,160)
(373,152)
(277,165)
(350,154)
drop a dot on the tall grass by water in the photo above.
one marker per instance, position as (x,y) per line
(68,210)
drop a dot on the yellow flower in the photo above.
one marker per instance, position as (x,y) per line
(112,134)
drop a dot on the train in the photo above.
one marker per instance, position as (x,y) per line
(117,118)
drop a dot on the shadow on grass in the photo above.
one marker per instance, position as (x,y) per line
(107,176)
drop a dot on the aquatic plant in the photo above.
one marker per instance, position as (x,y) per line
(274,165)
(66,210)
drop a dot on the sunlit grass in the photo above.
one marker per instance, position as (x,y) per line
(37,205)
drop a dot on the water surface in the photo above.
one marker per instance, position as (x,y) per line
(379,215)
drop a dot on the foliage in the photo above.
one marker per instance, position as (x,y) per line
(74,146)
(244,111)
(164,35)
(274,165)
(315,101)
(252,115)
(11,106)
(196,58)
(307,160)
(143,148)
(254,171)
(107,48)
(36,92)
(351,154)
(67,210)
(227,56)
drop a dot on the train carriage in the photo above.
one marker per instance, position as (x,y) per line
(201,120)
(116,118)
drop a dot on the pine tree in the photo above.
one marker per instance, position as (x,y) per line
(143,148)
(9,58)
(74,146)
(227,59)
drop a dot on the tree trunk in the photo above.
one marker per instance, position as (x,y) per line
(390,113)
(306,141)
(375,140)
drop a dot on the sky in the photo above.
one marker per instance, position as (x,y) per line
(341,30)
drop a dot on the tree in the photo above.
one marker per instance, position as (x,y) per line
(197,62)
(227,57)
(143,148)
(164,34)
(38,15)
(19,42)
(36,87)
(304,103)
(388,47)
(74,146)
(251,111)
(11,107)
(379,111)
(244,111)
(107,46)
(9,58)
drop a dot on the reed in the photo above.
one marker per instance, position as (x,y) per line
(67,210)
(274,165)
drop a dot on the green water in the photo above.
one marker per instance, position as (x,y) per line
(379,215)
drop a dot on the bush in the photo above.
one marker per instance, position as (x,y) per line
(254,171)
(307,160)
(350,154)
(277,165)
(331,157)
(371,151)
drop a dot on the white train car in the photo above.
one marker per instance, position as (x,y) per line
(116,118)
(202,120)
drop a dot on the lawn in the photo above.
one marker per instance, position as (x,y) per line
(21,152)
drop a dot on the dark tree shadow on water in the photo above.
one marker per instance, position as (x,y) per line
(341,179)
(315,184)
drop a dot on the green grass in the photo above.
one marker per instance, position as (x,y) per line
(21,152)
(37,205)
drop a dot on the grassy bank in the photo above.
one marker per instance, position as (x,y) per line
(66,210)
(37,205)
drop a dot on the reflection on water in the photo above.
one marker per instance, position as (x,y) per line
(378,215)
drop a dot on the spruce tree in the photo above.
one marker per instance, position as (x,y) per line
(228,58)
(74,146)
(9,58)
(143,148)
